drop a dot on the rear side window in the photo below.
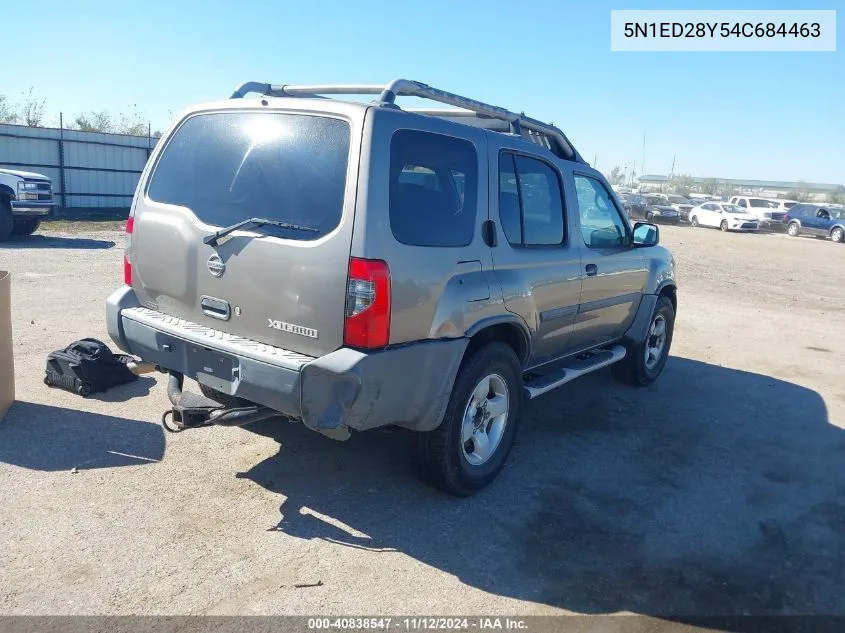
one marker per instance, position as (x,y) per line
(231,166)
(433,189)
(530,201)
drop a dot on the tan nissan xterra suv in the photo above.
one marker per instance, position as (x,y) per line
(353,264)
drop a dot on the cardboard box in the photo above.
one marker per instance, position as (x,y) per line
(7,364)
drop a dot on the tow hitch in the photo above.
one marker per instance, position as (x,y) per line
(191,410)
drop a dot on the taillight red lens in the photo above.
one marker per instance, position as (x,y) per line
(127,261)
(367,322)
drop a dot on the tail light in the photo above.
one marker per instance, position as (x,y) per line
(127,252)
(786,217)
(367,322)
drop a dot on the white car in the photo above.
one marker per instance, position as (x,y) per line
(722,215)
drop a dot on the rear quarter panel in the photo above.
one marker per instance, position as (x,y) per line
(437,292)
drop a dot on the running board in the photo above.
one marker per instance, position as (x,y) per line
(576,369)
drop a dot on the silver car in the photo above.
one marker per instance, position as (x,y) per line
(353,265)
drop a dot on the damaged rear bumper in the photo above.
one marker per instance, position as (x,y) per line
(407,386)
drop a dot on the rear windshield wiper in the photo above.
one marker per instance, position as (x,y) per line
(214,237)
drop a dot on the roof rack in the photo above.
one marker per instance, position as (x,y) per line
(544,134)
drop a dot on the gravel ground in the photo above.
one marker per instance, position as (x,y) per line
(717,490)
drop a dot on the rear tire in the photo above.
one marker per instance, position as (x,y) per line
(724,226)
(448,457)
(793,229)
(230,402)
(837,234)
(639,369)
(26,227)
(7,222)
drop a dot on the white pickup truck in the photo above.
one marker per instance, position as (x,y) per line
(26,199)
(768,213)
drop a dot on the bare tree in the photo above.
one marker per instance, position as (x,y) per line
(616,176)
(8,111)
(32,110)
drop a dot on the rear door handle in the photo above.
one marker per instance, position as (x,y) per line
(592,270)
(488,233)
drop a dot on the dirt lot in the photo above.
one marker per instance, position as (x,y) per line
(718,490)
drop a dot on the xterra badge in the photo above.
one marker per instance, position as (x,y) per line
(293,329)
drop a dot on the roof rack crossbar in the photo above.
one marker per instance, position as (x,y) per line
(403,87)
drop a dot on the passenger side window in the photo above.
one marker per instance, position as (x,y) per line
(602,226)
(742,204)
(433,189)
(530,201)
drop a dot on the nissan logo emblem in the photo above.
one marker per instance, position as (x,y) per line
(216,266)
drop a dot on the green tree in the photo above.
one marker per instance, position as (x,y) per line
(801,193)
(93,122)
(681,184)
(710,186)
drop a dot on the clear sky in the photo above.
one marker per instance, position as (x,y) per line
(778,116)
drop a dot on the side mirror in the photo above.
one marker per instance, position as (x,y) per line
(646,234)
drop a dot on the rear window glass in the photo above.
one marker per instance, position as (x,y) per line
(433,189)
(231,166)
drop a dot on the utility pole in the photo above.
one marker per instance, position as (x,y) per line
(672,171)
(642,164)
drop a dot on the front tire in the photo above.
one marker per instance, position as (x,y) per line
(724,226)
(644,362)
(693,222)
(7,222)
(26,227)
(793,229)
(469,448)
(837,234)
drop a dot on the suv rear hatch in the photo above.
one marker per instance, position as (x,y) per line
(282,286)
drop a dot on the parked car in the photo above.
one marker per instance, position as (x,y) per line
(306,272)
(816,219)
(26,198)
(681,205)
(724,216)
(652,208)
(783,205)
(767,213)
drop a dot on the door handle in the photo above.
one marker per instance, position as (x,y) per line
(592,270)
(488,233)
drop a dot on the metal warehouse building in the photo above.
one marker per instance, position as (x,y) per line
(93,173)
(754,187)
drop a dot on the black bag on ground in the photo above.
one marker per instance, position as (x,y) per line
(87,366)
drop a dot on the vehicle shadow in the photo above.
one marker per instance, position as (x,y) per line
(42,437)
(53,241)
(138,388)
(712,492)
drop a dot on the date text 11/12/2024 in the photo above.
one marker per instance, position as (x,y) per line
(418,624)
